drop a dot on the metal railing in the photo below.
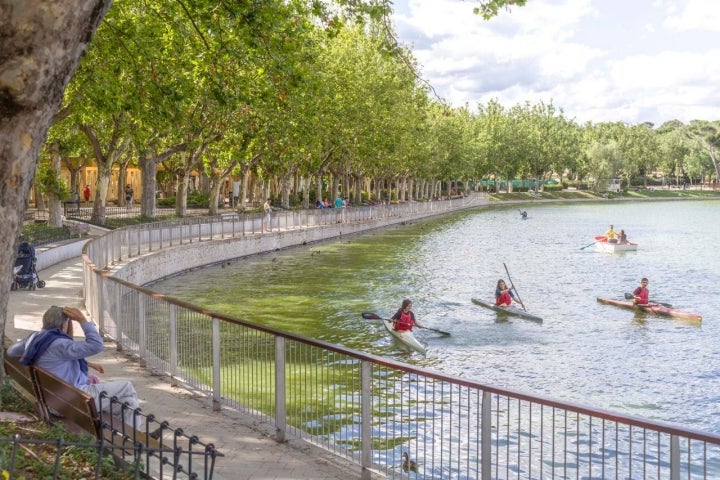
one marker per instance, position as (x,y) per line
(174,455)
(384,415)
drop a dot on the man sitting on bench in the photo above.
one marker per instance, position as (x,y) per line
(54,349)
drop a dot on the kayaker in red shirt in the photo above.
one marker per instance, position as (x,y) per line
(641,294)
(404,318)
(503,295)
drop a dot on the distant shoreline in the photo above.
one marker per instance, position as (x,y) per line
(585,196)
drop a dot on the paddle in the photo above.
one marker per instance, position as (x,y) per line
(375,316)
(588,245)
(630,296)
(513,287)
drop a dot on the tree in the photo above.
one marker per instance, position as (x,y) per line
(42,41)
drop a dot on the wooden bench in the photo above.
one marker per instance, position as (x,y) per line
(57,400)
(24,384)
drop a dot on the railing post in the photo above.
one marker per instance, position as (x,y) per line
(100,292)
(117,319)
(486,436)
(366,419)
(674,457)
(142,329)
(172,347)
(280,390)
(217,385)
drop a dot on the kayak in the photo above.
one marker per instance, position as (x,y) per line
(406,337)
(603,245)
(507,310)
(652,308)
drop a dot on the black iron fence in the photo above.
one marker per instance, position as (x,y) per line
(173,454)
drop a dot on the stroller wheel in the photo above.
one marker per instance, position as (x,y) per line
(41,284)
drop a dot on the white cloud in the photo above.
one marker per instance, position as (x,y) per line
(598,60)
(697,15)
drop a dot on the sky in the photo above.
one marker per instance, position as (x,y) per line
(631,61)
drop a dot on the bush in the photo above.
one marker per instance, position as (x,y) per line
(552,187)
(197,199)
(39,234)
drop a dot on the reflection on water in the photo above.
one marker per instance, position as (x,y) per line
(584,352)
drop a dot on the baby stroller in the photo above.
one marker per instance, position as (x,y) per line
(24,273)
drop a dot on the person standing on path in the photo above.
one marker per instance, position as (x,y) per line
(267,222)
(128,196)
(86,193)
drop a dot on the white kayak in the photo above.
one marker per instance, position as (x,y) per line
(406,337)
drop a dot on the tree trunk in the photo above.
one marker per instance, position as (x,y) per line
(245,177)
(181,189)
(101,189)
(54,206)
(42,41)
(319,185)
(214,195)
(305,192)
(285,190)
(148,166)
(359,180)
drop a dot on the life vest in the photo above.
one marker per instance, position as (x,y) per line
(503,299)
(405,322)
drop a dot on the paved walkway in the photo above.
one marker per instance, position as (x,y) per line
(249,452)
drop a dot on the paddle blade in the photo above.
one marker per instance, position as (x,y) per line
(371,316)
(629,296)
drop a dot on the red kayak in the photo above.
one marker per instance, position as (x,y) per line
(652,308)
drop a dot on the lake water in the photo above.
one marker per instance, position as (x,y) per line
(584,352)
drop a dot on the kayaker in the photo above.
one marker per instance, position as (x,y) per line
(622,238)
(503,295)
(641,294)
(611,234)
(404,318)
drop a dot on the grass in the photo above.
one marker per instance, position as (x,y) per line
(36,454)
(588,195)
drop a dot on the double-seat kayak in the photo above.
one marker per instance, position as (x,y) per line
(509,310)
(655,308)
(405,337)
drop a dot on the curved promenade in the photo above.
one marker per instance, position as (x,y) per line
(533,442)
(250,452)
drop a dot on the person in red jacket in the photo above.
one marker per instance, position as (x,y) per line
(503,295)
(404,318)
(641,294)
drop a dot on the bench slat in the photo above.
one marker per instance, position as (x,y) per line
(25,386)
(76,407)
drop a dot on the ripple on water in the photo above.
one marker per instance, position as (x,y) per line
(583,352)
